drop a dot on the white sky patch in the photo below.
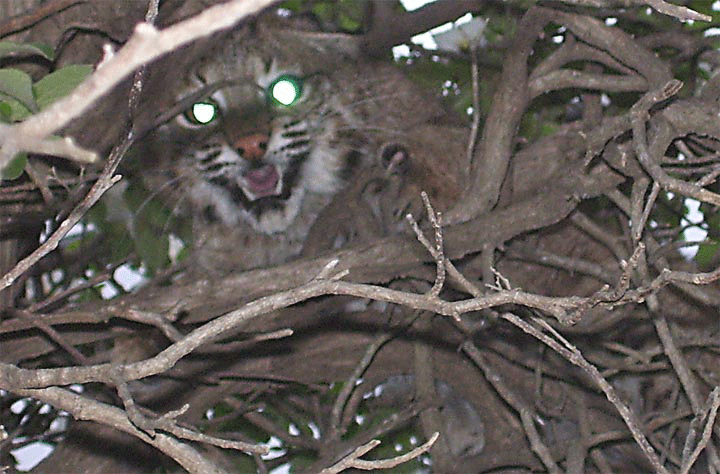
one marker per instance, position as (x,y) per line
(128,277)
(125,276)
(694,233)
(423,39)
(426,39)
(315,430)
(282,469)
(30,455)
(107,291)
(277,449)
(18,407)
(175,246)
(411,5)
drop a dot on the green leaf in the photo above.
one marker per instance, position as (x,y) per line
(15,168)
(17,84)
(13,110)
(150,227)
(10,48)
(351,15)
(5,112)
(706,254)
(45,50)
(152,248)
(60,83)
(293,5)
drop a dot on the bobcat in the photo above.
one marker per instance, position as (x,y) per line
(267,127)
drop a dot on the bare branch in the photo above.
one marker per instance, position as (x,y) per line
(83,408)
(351,384)
(709,415)
(522,407)
(573,355)
(678,11)
(12,377)
(650,163)
(352,459)
(389,28)
(493,153)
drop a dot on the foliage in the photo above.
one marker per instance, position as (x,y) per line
(20,96)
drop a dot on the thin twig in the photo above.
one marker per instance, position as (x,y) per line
(573,355)
(638,230)
(439,254)
(678,11)
(678,362)
(351,383)
(475,77)
(352,460)
(639,116)
(83,408)
(167,423)
(37,321)
(524,410)
(12,377)
(105,182)
(637,203)
(714,402)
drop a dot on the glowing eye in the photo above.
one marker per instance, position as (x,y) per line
(286,90)
(202,113)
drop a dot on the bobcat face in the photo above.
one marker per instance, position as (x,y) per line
(268,127)
(261,141)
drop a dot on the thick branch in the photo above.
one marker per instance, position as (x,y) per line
(492,156)
(390,28)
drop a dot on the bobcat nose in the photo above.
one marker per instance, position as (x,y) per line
(252,147)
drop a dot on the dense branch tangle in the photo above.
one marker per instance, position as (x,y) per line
(528,207)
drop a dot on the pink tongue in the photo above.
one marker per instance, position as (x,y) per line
(262,181)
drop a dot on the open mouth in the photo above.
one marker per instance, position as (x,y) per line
(262,182)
